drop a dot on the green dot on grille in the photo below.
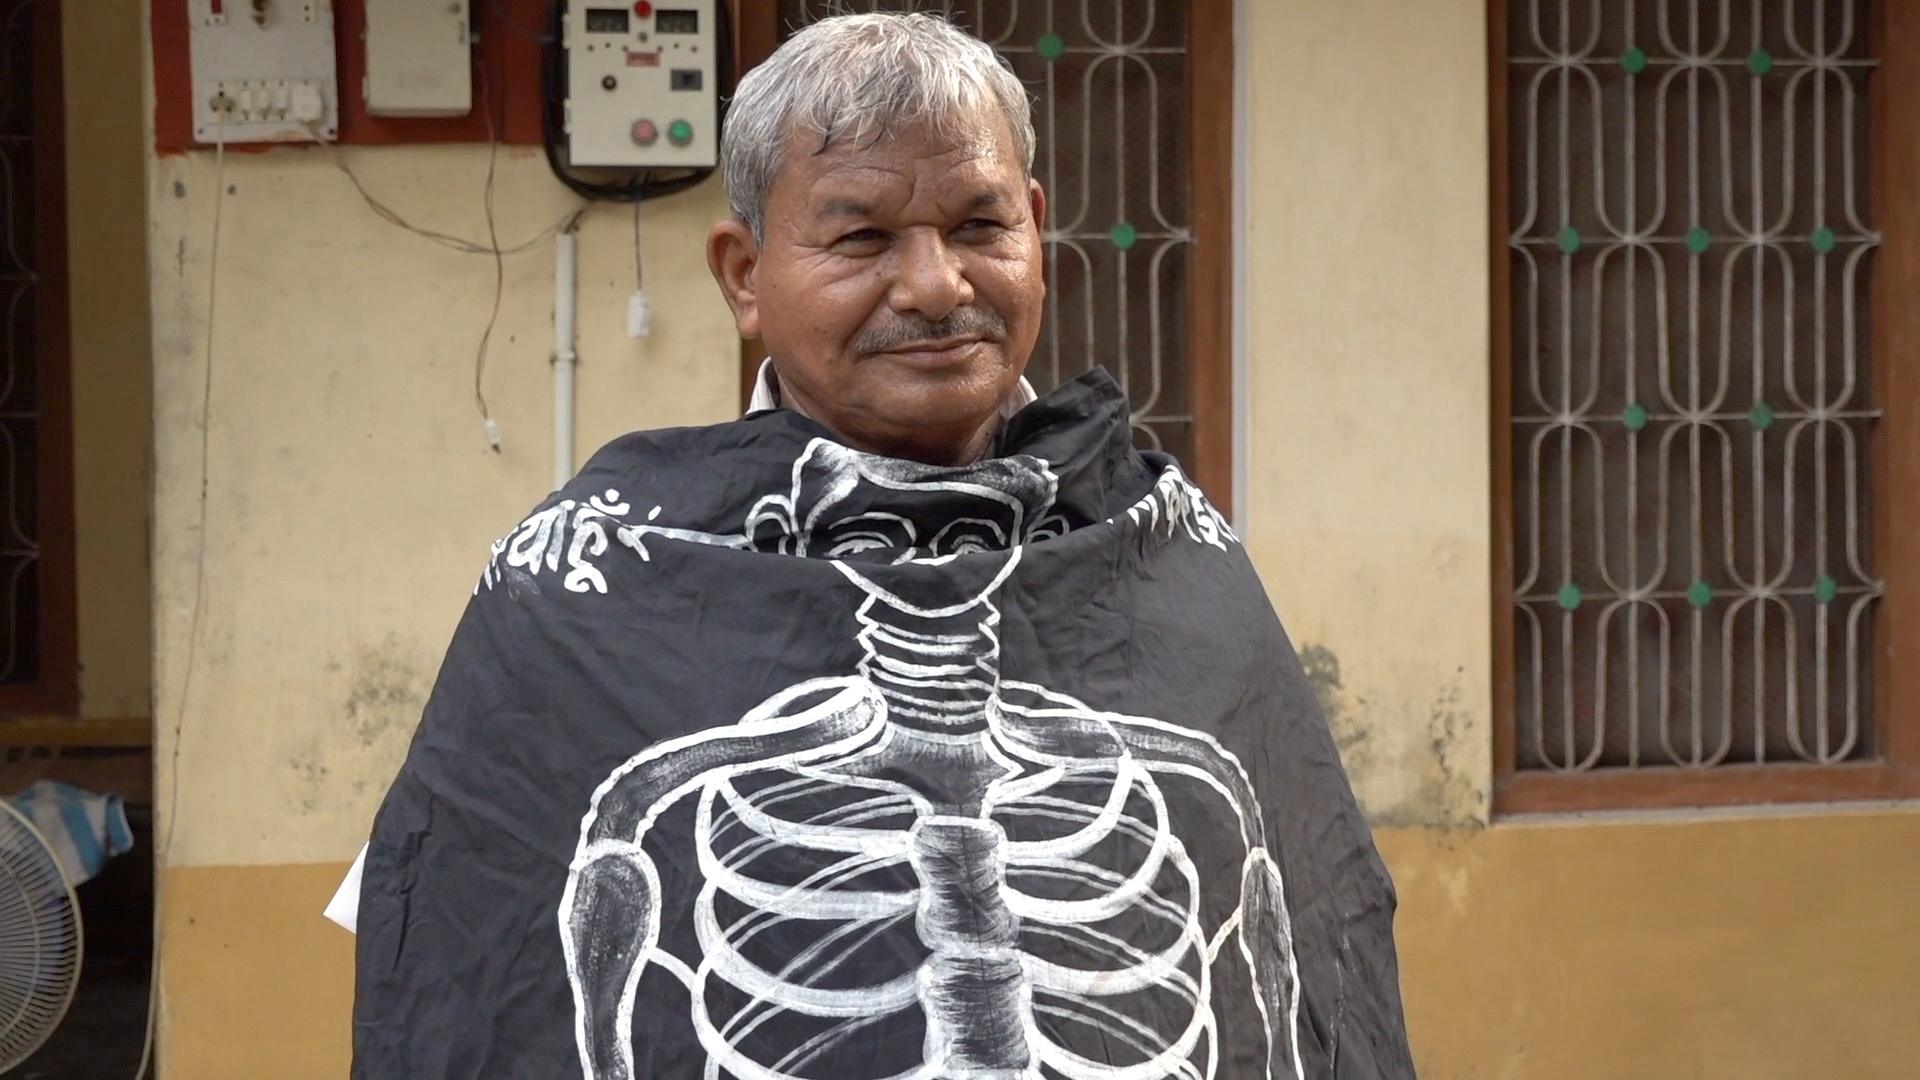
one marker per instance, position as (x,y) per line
(1699,240)
(1826,589)
(1635,417)
(1570,596)
(1823,240)
(1124,235)
(1050,47)
(1569,239)
(1700,594)
(1760,61)
(1761,416)
(1634,60)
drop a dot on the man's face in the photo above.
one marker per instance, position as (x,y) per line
(897,287)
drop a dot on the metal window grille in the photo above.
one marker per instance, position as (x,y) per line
(19,391)
(1109,79)
(1690,257)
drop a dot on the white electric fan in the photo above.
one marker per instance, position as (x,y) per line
(39,939)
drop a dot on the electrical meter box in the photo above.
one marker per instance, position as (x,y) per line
(263,70)
(419,58)
(642,84)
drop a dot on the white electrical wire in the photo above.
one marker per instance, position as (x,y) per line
(492,248)
(165,846)
(499,261)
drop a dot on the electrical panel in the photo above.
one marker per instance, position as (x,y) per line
(642,84)
(419,58)
(263,71)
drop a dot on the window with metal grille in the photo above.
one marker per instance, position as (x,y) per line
(1134,151)
(37,665)
(1696,398)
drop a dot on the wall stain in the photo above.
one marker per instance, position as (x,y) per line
(1432,789)
(1323,674)
(311,781)
(1349,727)
(384,695)
(1406,763)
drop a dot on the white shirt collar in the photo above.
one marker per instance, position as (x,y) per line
(766,394)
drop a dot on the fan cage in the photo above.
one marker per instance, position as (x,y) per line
(41,940)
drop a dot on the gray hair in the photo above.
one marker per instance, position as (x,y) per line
(859,77)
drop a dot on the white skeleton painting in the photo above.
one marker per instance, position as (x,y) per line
(1020,837)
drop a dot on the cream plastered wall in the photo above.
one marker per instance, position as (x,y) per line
(350,494)
(1366,262)
(111,355)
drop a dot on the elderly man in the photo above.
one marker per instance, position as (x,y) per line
(908,727)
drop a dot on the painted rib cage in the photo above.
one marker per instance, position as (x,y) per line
(924,870)
(1065,913)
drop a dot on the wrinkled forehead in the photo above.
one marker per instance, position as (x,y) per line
(895,162)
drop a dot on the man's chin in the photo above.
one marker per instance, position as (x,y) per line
(903,419)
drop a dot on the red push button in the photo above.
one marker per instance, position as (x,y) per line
(644,133)
(642,8)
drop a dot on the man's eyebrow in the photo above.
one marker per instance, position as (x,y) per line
(987,199)
(847,207)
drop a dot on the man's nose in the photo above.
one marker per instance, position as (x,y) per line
(929,279)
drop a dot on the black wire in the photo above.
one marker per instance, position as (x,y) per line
(642,184)
(507,20)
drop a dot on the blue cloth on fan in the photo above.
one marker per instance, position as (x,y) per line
(83,828)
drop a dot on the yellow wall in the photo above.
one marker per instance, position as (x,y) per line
(351,502)
(112,357)
(1758,948)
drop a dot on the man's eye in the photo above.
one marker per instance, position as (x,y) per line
(863,237)
(981,226)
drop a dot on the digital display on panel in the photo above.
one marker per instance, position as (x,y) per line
(677,21)
(606,20)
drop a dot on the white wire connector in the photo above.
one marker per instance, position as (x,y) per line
(493,435)
(639,315)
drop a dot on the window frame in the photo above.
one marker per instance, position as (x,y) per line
(1894,457)
(55,688)
(1210,130)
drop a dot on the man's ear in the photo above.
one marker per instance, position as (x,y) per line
(1037,204)
(733,255)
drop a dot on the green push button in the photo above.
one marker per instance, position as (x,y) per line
(679,133)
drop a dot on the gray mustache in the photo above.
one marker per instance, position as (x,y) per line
(906,330)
